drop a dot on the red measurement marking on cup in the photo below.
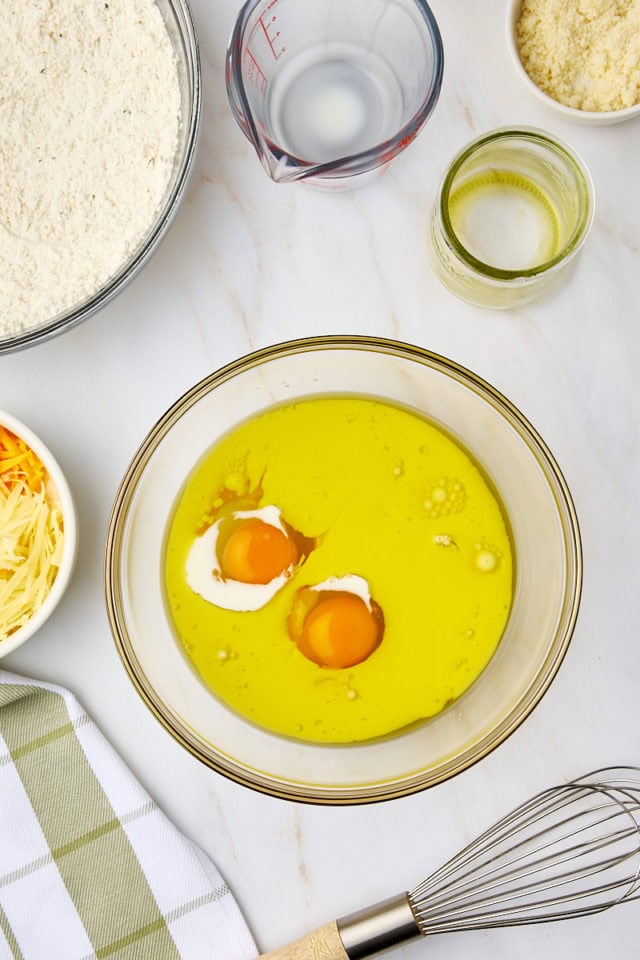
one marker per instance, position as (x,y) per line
(271,32)
(263,41)
(254,72)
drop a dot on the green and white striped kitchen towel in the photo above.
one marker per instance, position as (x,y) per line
(89,866)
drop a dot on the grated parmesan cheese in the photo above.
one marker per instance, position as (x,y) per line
(31,544)
(583,53)
(89,122)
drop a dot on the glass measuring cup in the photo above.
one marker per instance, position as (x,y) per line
(328,90)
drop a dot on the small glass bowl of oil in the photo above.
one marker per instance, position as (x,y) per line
(513,210)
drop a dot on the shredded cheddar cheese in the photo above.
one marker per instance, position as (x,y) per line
(31,534)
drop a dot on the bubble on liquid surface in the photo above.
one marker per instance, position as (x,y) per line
(236,482)
(445,497)
(486,558)
(444,540)
(225,654)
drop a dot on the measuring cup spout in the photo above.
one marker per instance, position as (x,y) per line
(278,165)
(282,169)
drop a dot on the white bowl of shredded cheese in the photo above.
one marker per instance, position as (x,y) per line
(582,60)
(38,533)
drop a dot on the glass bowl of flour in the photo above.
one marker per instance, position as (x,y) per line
(99,120)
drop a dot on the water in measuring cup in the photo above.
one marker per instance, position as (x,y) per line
(332,101)
(505,219)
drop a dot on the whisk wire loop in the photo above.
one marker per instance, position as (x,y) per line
(540,861)
(535,864)
(520,819)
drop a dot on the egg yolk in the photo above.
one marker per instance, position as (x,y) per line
(257,552)
(340,631)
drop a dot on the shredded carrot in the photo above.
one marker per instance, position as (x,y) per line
(31,534)
(19,465)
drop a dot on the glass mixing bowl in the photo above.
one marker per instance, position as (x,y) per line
(181,31)
(546,590)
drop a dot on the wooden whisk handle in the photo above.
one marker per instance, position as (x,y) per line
(324,943)
(360,935)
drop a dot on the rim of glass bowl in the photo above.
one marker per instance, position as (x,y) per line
(358,163)
(367,793)
(191,122)
(583,182)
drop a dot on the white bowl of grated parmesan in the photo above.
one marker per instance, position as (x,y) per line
(581,60)
(38,533)
(99,121)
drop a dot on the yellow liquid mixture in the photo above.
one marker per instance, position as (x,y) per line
(386,496)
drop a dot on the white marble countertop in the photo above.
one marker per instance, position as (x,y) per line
(249,263)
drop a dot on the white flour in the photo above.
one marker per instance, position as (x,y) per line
(89,118)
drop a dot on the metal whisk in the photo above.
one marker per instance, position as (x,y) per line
(570,851)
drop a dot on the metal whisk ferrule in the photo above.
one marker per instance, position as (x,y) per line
(378,928)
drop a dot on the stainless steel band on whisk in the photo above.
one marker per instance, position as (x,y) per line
(378,928)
